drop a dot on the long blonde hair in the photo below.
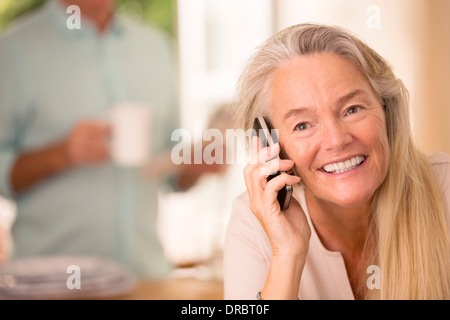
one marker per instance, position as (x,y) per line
(409,220)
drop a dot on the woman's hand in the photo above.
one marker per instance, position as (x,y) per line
(288,231)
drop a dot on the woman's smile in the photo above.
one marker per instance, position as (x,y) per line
(341,166)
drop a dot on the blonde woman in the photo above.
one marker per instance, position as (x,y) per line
(368,217)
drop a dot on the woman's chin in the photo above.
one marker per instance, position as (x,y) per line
(354,200)
(346,199)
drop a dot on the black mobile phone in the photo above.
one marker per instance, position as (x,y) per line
(268,137)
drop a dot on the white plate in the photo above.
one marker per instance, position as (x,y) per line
(50,278)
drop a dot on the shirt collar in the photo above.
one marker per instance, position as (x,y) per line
(59,15)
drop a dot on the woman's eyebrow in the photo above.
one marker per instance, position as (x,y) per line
(295,112)
(342,100)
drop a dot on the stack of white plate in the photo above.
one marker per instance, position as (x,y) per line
(64,277)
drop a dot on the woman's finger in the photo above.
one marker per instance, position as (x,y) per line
(275,165)
(284,179)
(279,182)
(254,150)
(268,153)
(260,154)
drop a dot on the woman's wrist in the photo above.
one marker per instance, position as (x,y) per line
(284,277)
(288,261)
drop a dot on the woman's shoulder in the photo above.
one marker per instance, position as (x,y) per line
(440,163)
(241,199)
(244,228)
(439,158)
(241,216)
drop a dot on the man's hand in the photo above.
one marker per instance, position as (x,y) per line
(87,144)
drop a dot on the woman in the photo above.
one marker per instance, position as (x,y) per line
(368,217)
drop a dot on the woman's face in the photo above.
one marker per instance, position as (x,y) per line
(333,126)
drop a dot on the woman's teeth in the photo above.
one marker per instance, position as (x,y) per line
(346,165)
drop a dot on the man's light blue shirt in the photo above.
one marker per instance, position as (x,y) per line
(50,79)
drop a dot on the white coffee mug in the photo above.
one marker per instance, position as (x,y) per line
(130,134)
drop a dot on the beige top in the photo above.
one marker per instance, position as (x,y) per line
(247,251)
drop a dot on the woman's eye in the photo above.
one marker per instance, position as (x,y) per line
(302,126)
(353,109)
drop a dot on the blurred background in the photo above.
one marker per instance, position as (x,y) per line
(214,38)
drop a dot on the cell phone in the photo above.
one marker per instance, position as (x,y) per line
(263,128)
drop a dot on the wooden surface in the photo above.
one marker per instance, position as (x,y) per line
(176,289)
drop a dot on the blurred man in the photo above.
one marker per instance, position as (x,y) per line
(56,88)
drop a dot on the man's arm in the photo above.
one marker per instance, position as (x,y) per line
(86,144)
(33,167)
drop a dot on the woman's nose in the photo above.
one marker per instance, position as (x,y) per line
(335,136)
